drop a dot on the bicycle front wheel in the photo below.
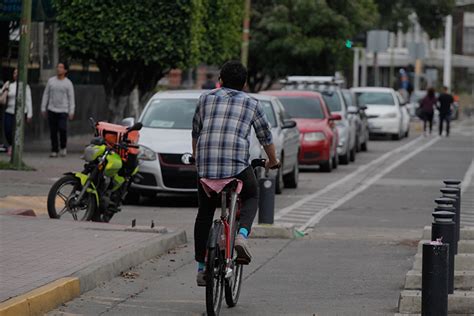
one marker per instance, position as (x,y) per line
(232,286)
(215,281)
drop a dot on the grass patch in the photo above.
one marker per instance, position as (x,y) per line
(6,165)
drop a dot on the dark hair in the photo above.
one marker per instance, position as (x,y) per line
(233,75)
(431,93)
(65,64)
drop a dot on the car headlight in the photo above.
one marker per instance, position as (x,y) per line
(146,153)
(314,136)
(390,115)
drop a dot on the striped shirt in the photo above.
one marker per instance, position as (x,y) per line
(222,124)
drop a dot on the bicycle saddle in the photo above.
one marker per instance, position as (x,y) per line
(219,185)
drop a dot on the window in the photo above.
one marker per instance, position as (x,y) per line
(301,107)
(374,98)
(170,113)
(333,101)
(269,113)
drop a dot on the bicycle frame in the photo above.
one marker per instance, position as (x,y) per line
(229,221)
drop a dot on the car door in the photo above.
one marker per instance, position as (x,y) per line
(272,117)
(404,111)
(291,140)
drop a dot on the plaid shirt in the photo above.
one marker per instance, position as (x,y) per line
(222,124)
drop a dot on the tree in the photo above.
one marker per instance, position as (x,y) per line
(394,14)
(303,37)
(134,43)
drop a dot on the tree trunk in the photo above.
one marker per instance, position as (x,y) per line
(117,106)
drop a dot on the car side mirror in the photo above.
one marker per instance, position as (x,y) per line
(288,124)
(335,117)
(352,109)
(128,121)
(363,107)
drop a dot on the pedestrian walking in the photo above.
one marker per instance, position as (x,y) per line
(210,83)
(8,99)
(445,102)
(58,106)
(427,105)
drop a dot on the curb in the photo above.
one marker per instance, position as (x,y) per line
(50,296)
(283,231)
(462,262)
(466,233)
(459,302)
(464,246)
(463,280)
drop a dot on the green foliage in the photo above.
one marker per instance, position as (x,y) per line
(430,13)
(222,22)
(303,36)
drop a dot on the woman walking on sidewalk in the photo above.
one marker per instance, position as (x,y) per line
(9,116)
(427,105)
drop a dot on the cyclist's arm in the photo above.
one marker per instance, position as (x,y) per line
(271,154)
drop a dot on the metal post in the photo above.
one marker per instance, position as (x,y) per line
(450,202)
(434,279)
(363,77)
(376,71)
(443,229)
(244,55)
(455,193)
(447,52)
(417,59)
(355,80)
(23,58)
(266,201)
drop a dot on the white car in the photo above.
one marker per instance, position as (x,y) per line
(165,143)
(386,111)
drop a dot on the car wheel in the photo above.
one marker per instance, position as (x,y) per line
(407,133)
(358,144)
(352,155)
(335,161)
(279,180)
(395,136)
(326,166)
(364,146)
(291,180)
(344,159)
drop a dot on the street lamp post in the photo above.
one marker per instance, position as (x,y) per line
(245,34)
(25,31)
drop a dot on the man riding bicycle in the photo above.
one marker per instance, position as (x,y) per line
(221,128)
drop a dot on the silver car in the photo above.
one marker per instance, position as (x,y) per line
(165,142)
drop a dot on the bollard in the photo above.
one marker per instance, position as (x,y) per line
(456,184)
(453,194)
(434,279)
(443,228)
(450,202)
(266,201)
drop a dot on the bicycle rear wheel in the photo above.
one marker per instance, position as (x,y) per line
(215,280)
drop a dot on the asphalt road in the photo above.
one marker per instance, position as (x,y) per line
(352,261)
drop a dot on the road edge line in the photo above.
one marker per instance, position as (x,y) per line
(42,299)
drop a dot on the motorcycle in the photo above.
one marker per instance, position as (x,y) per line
(98,191)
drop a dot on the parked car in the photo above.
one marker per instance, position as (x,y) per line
(386,111)
(360,118)
(165,143)
(318,132)
(330,89)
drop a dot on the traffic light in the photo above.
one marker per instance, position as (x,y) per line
(348,43)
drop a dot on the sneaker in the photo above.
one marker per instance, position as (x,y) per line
(63,152)
(201,278)
(53,155)
(243,253)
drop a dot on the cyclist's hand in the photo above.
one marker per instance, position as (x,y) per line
(272,164)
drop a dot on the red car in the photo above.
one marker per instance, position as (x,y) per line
(318,132)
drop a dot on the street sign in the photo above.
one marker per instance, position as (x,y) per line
(416,50)
(10,10)
(377,41)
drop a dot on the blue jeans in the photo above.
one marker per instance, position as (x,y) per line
(8,123)
(442,118)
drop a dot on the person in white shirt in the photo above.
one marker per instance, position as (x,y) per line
(58,106)
(9,116)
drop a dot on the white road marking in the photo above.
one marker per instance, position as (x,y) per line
(333,185)
(319,215)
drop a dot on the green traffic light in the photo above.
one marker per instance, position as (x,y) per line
(348,43)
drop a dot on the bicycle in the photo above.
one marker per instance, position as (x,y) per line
(223,269)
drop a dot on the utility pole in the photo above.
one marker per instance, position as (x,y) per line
(447,52)
(23,59)
(417,58)
(244,55)
(363,77)
(376,71)
(355,80)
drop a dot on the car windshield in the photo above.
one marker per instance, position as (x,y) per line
(300,107)
(332,101)
(170,113)
(347,97)
(374,98)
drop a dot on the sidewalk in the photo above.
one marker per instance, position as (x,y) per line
(35,252)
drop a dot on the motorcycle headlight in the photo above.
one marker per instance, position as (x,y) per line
(314,136)
(390,115)
(146,153)
(92,152)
